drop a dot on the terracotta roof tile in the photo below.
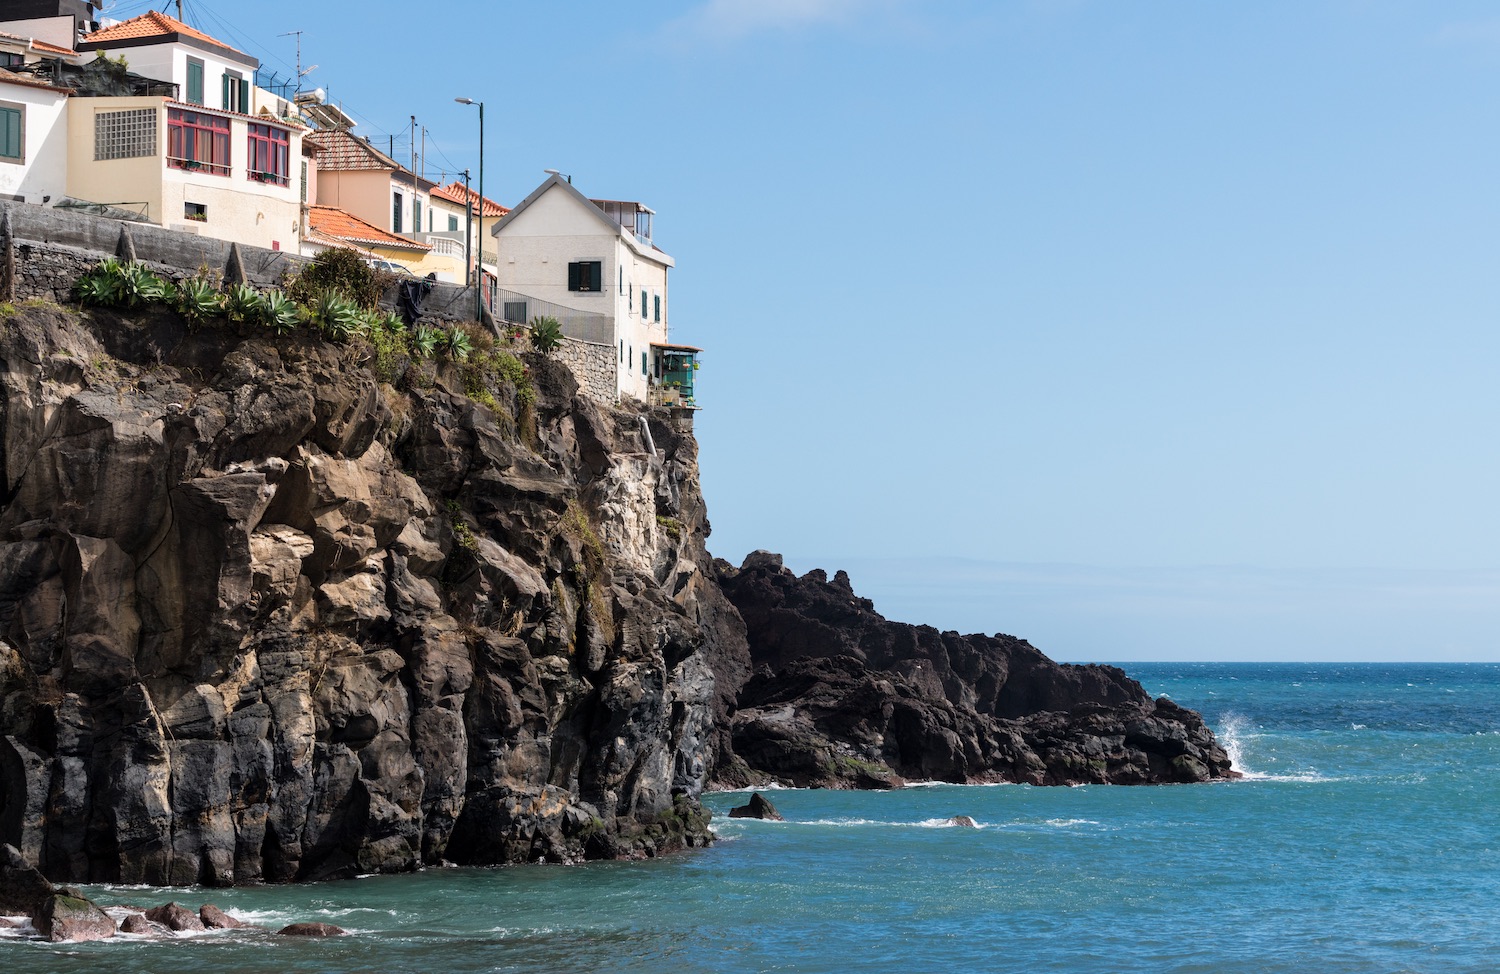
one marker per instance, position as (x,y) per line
(454,192)
(150,24)
(334,222)
(30,81)
(341,152)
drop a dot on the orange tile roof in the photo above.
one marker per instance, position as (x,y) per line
(454,192)
(341,152)
(334,222)
(150,24)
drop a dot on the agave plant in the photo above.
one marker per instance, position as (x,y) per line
(424,341)
(244,303)
(279,312)
(335,316)
(101,285)
(197,300)
(393,324)
(139,286)
(546,333)
(458,344)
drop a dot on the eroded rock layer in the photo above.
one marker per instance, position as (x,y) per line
(842,697)
(264,617)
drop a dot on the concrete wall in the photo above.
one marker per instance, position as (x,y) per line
(136,180)
(43,170)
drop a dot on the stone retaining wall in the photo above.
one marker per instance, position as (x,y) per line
(593,365)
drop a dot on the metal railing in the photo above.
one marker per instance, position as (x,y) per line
(519,309)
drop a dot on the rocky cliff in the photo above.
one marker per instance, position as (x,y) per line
(266,617)
(841,697)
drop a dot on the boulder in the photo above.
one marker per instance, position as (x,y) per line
(963,822)
(67,919)
(175,917)
(311,930)
(22,888)
(757,807)
(138,924)
(216,919)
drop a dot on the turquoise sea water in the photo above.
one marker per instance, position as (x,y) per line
(1365,838)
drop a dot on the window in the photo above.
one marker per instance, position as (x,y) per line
(12,128)
(8,60)
(416,215)
(643,304)
(197,212)
(643,364)
(235,92)
(656,302)
(585,275)
(269,156)
(622,350)
(195,81)
(452,223)
(197,141)
(396,213)
(304,182)
(622,278)
(125,135)
(515,311)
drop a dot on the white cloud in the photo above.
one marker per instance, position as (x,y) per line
(733,19)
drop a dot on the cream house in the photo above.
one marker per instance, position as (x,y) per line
(592,265)
(196,161)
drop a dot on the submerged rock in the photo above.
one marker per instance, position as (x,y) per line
(311,930)
(963,822)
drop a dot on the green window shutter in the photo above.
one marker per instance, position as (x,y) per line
(10,133)
(596,276)
(452,223)
(396,214)
(224,83)
(416,212)
(643,363)
(244,96)
(656,302)
(575,276)
(195,82)
(643,304)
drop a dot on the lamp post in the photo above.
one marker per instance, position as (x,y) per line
(479,263)
(468,224)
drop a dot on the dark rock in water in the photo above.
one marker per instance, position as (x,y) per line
(757,807)
(67,919)
(311,930)
(175,917)
(137,923)
(216,919)
(963,822)
(833,678)
(22,887)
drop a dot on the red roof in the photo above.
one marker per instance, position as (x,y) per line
(341,152)
(150,24)
(334,222)
(455,192)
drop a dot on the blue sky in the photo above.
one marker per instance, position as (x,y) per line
(1148,330)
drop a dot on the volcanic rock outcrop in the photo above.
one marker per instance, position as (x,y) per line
(266,618)
(841,697)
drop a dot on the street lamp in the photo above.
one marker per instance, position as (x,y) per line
(554,172)
(468,226)
(479,263)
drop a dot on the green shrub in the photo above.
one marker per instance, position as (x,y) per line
(339,269)
(334,315)
(458,344)
(424,341)
(113,284)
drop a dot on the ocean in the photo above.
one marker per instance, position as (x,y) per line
(1364,837)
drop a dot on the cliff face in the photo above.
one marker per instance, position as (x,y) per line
(266,618)
(263,618)
(841,697)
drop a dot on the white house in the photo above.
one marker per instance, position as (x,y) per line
(592,265)
(33,139)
